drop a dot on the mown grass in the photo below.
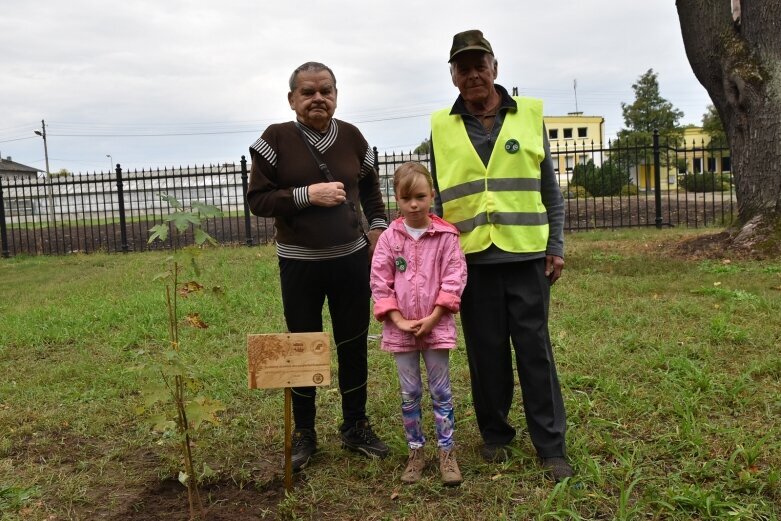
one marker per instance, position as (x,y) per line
(670,370)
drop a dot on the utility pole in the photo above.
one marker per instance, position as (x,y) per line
(42,133)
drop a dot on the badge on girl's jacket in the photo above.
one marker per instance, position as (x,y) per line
(401,264)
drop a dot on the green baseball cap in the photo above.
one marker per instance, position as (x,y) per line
(472,40)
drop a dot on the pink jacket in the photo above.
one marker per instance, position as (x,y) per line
(415,276)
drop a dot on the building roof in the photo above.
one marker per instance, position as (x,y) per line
(12,168)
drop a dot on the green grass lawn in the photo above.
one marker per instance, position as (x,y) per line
(670,370)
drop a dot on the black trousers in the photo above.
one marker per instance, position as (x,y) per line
(344,281)
(503,302)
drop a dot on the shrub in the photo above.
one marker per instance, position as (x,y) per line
(630,189)
(706,182)
(574,192)
(601,181)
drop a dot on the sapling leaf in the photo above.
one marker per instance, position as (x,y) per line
(183,477)
(207,472)
(170,199)
(163,275)
(155,392)
(161,423)
(182,220)
(206,210)
(201,236)
(203,409)
(159,231)
(193,385)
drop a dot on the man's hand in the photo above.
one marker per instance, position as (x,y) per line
(373,236)
(327,194)
(553,267)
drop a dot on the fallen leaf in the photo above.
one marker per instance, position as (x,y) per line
(189,287)
(194,320)
(394,495)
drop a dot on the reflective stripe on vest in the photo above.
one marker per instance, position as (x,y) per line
(501,203)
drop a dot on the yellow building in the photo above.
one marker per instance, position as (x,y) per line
(574,139)
(693,155)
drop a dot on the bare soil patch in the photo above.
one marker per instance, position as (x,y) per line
(223,501)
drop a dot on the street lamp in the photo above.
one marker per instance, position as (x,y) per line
(42,133)
(110,162)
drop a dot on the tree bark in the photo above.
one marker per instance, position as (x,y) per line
(739,64)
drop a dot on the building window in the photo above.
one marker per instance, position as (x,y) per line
(726,164)
(711,164)
(570,161)
(697,165)
(553,133)
(567,133)
(582,132)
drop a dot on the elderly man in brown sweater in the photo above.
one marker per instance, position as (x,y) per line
(314,176)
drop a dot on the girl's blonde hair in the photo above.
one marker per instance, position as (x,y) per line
(407,174)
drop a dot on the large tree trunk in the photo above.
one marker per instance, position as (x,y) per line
(738,61)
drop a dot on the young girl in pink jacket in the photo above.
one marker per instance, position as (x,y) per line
(417,277)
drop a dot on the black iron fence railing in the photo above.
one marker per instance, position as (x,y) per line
(603,187)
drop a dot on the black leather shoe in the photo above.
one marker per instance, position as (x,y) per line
(495,452)
(304,445)
(556,469)
(361,438)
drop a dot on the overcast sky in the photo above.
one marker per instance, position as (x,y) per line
(185,82)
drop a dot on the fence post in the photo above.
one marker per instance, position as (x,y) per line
(122,220)
(3,232)
(657,181)
(244,186)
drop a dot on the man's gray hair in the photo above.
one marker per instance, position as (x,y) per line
(309,67)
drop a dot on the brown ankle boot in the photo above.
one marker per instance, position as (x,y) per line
(448,467)
(415,465)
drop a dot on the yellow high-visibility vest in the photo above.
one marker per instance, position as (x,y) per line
(501,203)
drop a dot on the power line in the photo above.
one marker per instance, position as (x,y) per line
(17,139)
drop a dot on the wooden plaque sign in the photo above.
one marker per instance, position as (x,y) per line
(288,360)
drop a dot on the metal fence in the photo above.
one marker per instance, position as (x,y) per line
(637,185)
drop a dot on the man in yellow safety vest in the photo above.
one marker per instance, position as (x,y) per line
(495,182)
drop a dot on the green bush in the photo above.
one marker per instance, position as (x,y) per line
(574,192)
(706,182)
(606,180)
(630,189)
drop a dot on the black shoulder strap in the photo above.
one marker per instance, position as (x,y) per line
(330,178)
(318,159)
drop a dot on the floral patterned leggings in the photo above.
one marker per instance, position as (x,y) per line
(438,371)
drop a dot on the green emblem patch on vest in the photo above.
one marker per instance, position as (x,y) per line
(401,264)
(512,146)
